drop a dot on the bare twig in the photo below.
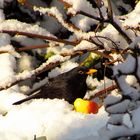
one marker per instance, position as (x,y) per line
(108,39)
(5,51)
(32,47)
(40,36)
(104,91)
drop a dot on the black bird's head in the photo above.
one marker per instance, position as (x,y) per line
(78,75)
(86,71)
(80,72)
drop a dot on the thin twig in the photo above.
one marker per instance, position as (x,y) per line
(32,47)
(120,30)
(93,17)
(108,39)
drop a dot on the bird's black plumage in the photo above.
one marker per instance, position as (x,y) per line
(68,86)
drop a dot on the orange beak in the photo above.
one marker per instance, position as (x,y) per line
(91,71)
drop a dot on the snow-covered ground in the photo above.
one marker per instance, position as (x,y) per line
(54,119)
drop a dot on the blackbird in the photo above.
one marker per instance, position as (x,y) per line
(68,86)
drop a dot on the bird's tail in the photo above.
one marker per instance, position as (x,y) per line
(35,96)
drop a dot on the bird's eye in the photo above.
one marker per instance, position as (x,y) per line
(80,72)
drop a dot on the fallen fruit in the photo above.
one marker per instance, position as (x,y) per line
(86,106)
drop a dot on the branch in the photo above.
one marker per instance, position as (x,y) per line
(104,91)
(32,47)
(40,36)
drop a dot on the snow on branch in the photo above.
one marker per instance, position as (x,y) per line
(21,26)
(16,32)
(51,63)
(55,13)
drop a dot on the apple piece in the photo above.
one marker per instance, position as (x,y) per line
(86,106)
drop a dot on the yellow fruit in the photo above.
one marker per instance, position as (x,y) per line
(81,105)
(85,106)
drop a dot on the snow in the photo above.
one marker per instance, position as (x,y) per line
(83,22)
(84,45)
(7,62)
(112,98)
(56,58)
(136,115)
(7,97)
(115,119)
(127,67)
(56,13)
(127,121)
(133,17)
(127,90)
(113,34)
(119,107)
(80,5)
(26,41)
(26,62)
(66,66)
(132,81)
(133,45)
(44,118)
(85,6)
(20,26)
(1,15)
(4,39)
(8,80)
(9,49)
